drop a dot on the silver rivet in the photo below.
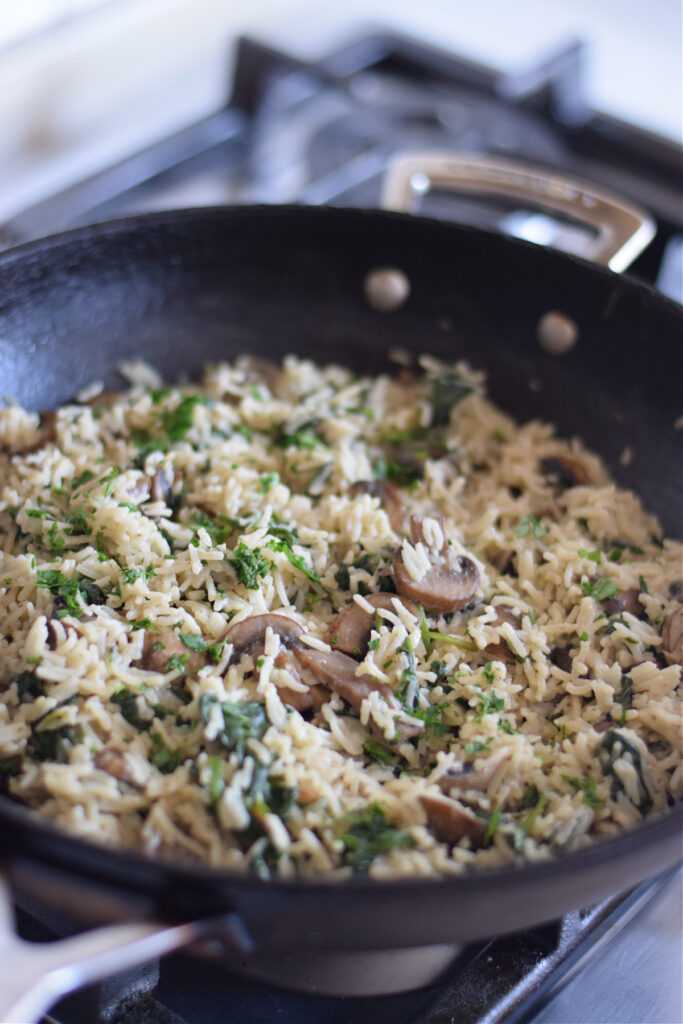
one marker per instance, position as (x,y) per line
(556,333)
(386,288)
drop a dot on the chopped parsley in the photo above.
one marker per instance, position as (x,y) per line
(587,786)
(296,560)
(530,525)
(249,565)
(476,747)
(379,753)
(303,438)
(489,704)
(71,593)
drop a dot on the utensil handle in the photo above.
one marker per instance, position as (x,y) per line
(622,228)
(33,976)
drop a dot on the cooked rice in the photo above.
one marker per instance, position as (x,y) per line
(559,720)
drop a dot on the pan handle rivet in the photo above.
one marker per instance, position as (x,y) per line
(556,333)
(386,288)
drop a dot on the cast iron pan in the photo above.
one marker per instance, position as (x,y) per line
(183,288)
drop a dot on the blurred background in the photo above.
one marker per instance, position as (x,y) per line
(84,83)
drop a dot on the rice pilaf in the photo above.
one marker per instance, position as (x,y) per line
(295,622)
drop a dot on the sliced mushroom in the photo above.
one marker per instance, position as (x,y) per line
(160,647)
(501,651)
(249,636)
(672,638)
(561,657)
(475,775)
(450,822)
(565,471)
(46,433)
(120,765)
(350,631)
(301,700)
(338,672)
(623,601)
(443,588)
(389,498)
(103,399)
(259,369)
(162,482)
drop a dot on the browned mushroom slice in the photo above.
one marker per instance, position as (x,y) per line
(672,638)
(301,700)
(103,399)
(561,657)
(389,498)
(120,765)
(338,672)
(350,631)
(443,588)
(623,601)
(163,651)
(249,636)
(46,433)
(259,369)
(565,471)
(417,530)
(501,651)
(450,822)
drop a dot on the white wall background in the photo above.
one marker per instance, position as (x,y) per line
(83,82)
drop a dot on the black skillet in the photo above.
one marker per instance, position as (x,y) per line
(183,288)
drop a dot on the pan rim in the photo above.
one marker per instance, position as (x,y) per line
(110,228)
(666,825)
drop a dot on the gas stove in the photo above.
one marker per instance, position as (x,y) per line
(325,132)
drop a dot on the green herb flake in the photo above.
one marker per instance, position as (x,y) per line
(163,758)
(193,641)
(624,697)
(587,786)
(601,590)
(447,390)
(492,827)
(249,565)
(476,747)
(367,835)
(241,721)
(379,753)
(83,478)
(530,525)
(410,684)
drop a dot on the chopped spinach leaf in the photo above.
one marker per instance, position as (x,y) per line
(367,835)
(241,721)
(447,391)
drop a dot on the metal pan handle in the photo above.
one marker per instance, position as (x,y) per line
(622,229)
(34,976)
